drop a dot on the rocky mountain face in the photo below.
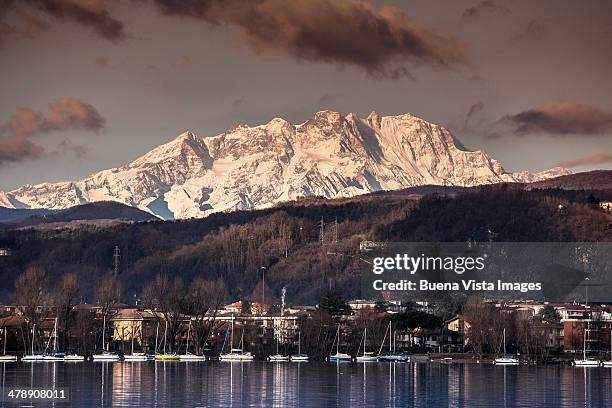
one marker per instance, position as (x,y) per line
(329,155)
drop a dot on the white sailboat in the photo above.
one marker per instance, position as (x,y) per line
(277,357)
(236,354)
(299,356)
(367,356)
(586,362)
(5,358)
(105,355)
(392,357)
(189,356)
(338,357)
(506,359)
(608,363)
(134,356)
(54,356)
(34,356)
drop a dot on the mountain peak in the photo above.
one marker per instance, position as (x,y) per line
(329,155)
(374,119)
(187,135)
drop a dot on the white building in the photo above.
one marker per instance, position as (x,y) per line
(606,205)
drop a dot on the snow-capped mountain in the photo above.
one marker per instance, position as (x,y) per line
(330,155)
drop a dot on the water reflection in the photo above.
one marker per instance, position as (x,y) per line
(314,384)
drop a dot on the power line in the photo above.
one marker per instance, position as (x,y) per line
(116,257)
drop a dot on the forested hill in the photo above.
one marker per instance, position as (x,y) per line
(287,239)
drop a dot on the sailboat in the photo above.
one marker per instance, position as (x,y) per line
(35,356)
(392,356)
(338,357)
(299,356)
(134,356)
(277,356)
(609,362)
(367,356)
(586,362)
(4,358)
(235,354)
(166,356)
(189,356)
(505,359)
(55,355)
(105,355)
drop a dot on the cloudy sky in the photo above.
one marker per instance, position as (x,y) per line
(91,84)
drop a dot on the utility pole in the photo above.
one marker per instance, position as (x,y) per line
(321,231)
(116,257)
(336,230)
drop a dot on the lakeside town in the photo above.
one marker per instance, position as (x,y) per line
(195,324)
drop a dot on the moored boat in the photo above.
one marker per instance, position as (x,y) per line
(189,356)
(105,355)
(393,356)
(506,359)
(586,362)
(338,356)
(5,358)
(136,357)
(235,354)
(367,356)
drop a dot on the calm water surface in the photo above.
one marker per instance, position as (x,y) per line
(315,384)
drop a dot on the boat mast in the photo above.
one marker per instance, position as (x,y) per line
(55,336)
(383,341)
(232,335)
(132,335)
(33,333)
(390,339)
(165,336)
(338,343)
(103,331)
(156,336)
(584,346)
(188,333)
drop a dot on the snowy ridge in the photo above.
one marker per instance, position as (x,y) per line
(329,155)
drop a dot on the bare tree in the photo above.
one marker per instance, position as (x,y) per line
(65,296)
(167,301)
(486,325)
(203,302)
(107,295)
(32,296)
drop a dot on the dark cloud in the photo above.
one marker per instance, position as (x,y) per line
(238,101)
(474,110)
(152,68)
(20,24)
(102,62)
(352,32)
(535,30)
(94,14)
(484,8)
(18,148)
(561,118)
(64,114)
(68,146)
(327,98)
(594,159)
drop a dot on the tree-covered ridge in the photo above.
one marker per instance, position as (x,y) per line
(288,241)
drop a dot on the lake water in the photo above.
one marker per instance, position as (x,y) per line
(315,384)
